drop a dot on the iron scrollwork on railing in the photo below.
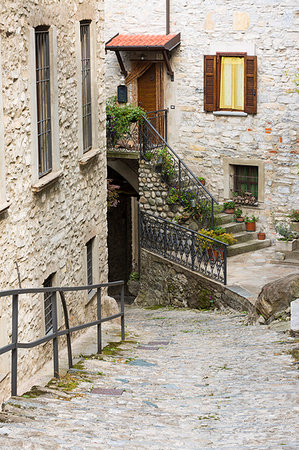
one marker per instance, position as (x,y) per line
(154,149)
(189,248)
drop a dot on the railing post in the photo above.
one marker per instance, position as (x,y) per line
(67,327)
(180,173)
(165,125)
(55,339)
(193,251)
(122,310)
(99,317)
(225,265)
(165,239)
(14,352)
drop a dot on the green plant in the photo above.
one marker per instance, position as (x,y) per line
(148,156)
(119,119)
(219,235)
(284,231)
(134,276)
(294,216)
(173,196)
(250,219)
(238,213)
(112,194)
(228,205)
(201,179)
(167,162)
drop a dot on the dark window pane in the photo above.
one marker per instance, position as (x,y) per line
(89,262)
(246,180)
(86,85)
(42,62)
(48,297)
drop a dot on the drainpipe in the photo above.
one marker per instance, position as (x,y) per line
(167,16)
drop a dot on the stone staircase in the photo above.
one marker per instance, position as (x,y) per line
(246,241)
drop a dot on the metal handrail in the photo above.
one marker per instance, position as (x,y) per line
(15,344)
(150,141)
(198,252)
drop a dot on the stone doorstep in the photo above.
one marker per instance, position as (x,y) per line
(245,247)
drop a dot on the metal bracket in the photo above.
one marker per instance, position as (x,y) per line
(121,63)
(167,63)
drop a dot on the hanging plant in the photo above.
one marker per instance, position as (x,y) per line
(112,194)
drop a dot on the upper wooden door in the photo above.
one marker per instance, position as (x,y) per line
(147,89)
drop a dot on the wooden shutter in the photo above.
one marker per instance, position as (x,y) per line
(250,84)
(210,83)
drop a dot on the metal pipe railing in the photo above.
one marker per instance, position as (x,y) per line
(55,334)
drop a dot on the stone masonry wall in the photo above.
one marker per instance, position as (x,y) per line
(46,232)
(165,283)
(209,143)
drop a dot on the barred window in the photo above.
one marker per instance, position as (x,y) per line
(89,262)
(246,180)
(48,297)
(86,84)
(42,63)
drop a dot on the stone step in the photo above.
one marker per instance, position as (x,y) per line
(224,218)
(233,227)
(244,236)
(250,246)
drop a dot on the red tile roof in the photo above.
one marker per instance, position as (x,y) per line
(140,40)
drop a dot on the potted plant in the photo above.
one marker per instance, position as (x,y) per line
(287,240)
(202,180)
(238,215)
(261,235)
(250,222)
(229,207)
(294,216)
(211,246)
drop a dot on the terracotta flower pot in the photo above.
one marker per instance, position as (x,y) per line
(229,211)
(261,236)
(215,253)
(250,226)
(203,182)
(240,219)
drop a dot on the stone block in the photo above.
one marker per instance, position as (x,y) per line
(295,315)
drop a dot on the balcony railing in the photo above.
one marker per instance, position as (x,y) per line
(188,248)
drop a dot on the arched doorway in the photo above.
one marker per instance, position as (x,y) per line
(122,233)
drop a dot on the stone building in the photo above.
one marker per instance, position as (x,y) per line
(52,163)
(227,83)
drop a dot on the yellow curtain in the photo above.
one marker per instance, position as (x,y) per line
(232,83)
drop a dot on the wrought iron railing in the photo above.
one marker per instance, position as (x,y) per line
(131,140)
(55,334)
(186,247)
(155,149)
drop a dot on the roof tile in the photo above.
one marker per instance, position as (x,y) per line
(140,40)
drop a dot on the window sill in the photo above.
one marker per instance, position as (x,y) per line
(230,113)
(46,181)
(88,156)
(4,207)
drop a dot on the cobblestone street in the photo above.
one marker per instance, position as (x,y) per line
(184,379)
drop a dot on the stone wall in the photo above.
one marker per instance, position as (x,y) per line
(211,144)
(46,232)
(165,283)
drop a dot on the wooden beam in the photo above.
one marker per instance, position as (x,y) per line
(121,64)
(167,63)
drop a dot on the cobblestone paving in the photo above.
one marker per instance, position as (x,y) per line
(184,379)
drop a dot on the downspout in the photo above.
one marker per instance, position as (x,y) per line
(167,16)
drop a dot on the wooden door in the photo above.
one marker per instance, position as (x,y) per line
(147,89)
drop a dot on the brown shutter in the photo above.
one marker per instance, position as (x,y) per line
(210,85)
(250,84)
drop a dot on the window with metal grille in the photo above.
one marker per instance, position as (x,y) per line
(89,262)
(86,85)
(48,297)
(42,64)
(246,180)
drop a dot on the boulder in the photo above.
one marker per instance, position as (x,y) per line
(109,307)
(276,296)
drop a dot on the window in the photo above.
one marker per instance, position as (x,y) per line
(89,246)
(246,180)
(230,82)
(43,99)
(48,298)
(86,84)
(3,201)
